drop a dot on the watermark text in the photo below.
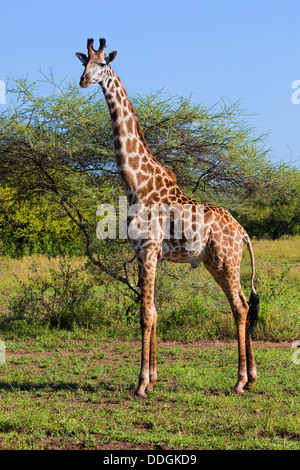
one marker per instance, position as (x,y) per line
(153,222)
(296,94)
(2,92)
(2,352)
(296,354)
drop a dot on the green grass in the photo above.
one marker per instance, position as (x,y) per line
(73,391)
(191,306)
(72,366)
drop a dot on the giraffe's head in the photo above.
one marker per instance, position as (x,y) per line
(96,63)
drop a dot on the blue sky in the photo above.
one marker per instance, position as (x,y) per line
(236,49)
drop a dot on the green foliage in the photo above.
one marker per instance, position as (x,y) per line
(28,227)
(273,218)
(57,166)
(65,300)
(279,315)
(276,213)
(67,293)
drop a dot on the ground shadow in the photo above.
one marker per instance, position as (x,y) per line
(54,386)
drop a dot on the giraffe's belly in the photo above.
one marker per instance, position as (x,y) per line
(178,251)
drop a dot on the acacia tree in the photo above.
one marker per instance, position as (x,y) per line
(58,145)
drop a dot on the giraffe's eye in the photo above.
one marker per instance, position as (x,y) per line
(102,65)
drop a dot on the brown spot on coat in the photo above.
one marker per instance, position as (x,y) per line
(131,145)
(129,125)
(140,177)
(119,99)
(117,144)
(134,162)
(147,168)
(127,179)
(159,181)
(119,130)
(115,114)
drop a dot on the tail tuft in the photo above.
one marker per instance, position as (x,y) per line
(253,311)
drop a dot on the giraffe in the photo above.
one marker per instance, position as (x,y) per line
(213,236)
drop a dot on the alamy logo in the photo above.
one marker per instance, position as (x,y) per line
(152,222)
(2,352)
(295,358)
(2,92)
(296,94)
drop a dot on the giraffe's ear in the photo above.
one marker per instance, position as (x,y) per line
(111,56)
(82,57)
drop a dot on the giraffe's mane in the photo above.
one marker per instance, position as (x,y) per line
(140,132)
(169,173)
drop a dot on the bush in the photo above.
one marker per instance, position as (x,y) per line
(28,227)
(69,296)
(66,293)
(67,299)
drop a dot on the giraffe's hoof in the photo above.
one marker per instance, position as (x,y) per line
(150,387)
(248,386)
(140,394)
(238,391)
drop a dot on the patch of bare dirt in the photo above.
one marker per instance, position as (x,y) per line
(110,347)
(50,443)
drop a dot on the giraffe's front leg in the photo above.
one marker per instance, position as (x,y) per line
(147,376)
(146,320)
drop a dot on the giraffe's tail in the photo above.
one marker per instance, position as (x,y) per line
(254,297)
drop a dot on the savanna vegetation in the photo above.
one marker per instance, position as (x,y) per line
(57,166)
(74,390)
(64,291)
(40,292)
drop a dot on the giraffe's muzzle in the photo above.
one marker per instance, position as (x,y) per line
(84,81)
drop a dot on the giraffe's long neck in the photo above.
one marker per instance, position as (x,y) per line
(140,173)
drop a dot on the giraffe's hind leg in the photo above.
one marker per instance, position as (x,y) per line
(228,279)
(251,368)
